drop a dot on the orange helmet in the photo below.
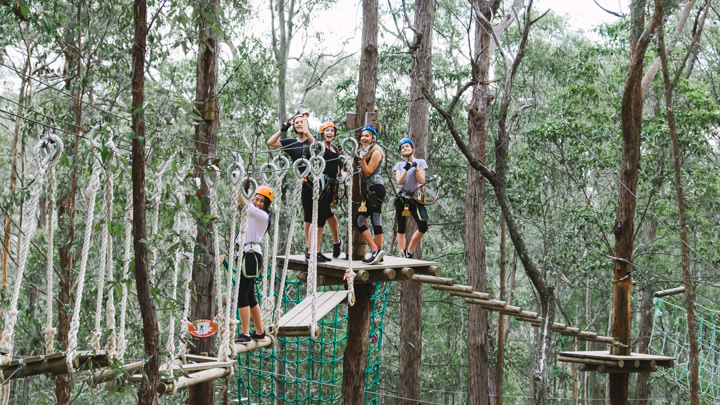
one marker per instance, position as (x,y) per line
(327,125)
(265,191)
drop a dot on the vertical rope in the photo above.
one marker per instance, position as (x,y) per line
(50,331)
(349,273)
(157,193)
(90,216)
(236,261)
(105,236)
(311,288)
(288,245)
(111,345)
(170,345)
(184,323)
(224,352)
(8,338)
(269,286)
(122,342)
(220,314)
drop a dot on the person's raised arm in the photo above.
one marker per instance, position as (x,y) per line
(369,168)
(274,141)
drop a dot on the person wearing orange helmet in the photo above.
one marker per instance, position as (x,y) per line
(258,223)
(333,169)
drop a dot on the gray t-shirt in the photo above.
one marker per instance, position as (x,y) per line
(411,183)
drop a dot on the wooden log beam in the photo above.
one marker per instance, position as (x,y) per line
(109,374)
(594,362)
(672,291)
(428,271)
(476,295)
(406,273)
(193,379)
(421,278)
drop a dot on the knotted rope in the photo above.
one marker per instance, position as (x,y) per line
(300,179)
(349,148)
(122,342)
(311,287)
(42,150)
(282,164)
(157,193)
(50,331)
(90,216)
(105,258)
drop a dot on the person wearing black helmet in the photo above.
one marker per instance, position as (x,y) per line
(371,158)
(296,148)
(410,174)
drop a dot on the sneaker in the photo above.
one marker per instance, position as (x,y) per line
(321,258)
(255,336)
(403,253)
(375,257)
(243,339)
(336,249)
(307,256)
(408,255)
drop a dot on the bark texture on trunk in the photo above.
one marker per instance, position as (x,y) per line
(624,228)
(356,351)
(206,136)
(151,333)
(409,381)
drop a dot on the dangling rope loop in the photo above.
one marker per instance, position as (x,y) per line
(89,225)
(268,289)
(127,252)
(317,166)
(349,148)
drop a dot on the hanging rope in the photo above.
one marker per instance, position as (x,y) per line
(317,165)
(157,193)
(349,148)
(48,152)
(49,330)
(90,215)
(226,350)
(105,258)
(122,342)
(186,306)
(282,164)
(300,178)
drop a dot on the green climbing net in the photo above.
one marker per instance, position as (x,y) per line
(301,369)
(670,338)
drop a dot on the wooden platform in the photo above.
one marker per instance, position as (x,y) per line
(391,269)
(53,364)
(604,362)
(298,321)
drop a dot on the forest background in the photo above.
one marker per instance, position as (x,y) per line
(63,63)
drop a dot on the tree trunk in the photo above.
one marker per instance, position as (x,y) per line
(624,228)
(151,333)
(356,352)
(411,294)
(206,135)
(478,127)
(501,320)
(685,247)
(355,358)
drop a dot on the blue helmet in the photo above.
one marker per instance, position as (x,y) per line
(369,128)
(404,141)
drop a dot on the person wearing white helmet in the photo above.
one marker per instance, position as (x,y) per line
(410,174)
(333,168)
(296,148)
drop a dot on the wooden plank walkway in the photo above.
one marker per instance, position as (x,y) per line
(297,322)
(484,300)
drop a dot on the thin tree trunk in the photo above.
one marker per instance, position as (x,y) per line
(151,334)
(206,145)
(356,351)
(411,326)
(687,277)
(66,228)
(624,228)
(501,319)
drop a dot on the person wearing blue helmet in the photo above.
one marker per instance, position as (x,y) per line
(410,174)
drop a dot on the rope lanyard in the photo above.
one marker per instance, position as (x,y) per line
(317,166)
(283,164)
(349,148)
(301,168)
(89,225)
(122,342)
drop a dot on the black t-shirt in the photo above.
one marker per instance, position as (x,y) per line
(294,149)
(332,162)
